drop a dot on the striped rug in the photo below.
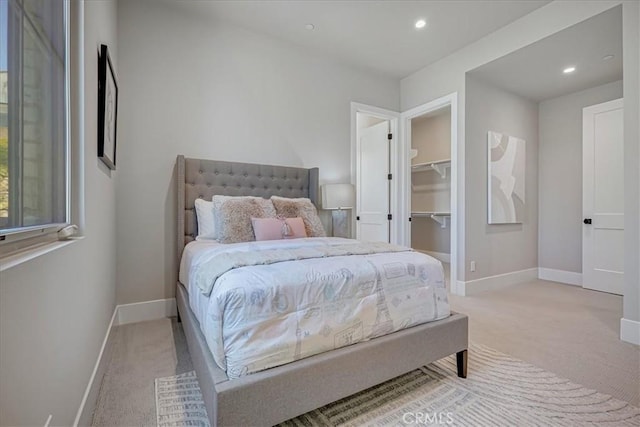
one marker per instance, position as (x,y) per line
(499,391)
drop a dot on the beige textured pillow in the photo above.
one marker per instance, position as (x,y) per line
(232,217)
(303,208)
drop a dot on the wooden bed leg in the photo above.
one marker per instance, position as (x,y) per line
(461,359)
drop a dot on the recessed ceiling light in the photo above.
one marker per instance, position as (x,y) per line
(421,23)
(569,70)
(607,57)
(310,27)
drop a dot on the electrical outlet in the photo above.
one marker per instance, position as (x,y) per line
(472,267)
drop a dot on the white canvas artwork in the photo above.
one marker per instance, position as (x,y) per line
(506,161)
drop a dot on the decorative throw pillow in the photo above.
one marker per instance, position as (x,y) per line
(232,217)
(204,216)
(303,208)
(278,228)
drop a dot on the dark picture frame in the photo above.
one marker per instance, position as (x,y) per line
(107,109)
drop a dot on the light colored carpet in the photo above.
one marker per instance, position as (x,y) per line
(562,329)
(141,352)
(499,391)
(570,331)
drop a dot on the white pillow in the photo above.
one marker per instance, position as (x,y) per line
(206,224)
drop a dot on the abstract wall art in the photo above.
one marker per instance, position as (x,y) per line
(506,178)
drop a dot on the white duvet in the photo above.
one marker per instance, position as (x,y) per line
(262,316)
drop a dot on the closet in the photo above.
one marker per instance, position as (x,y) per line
(431,184)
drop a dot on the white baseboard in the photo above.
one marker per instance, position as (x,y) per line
(476,286)
(84,414)
(440,256)
(630,331)
(560,276)
(122,314)
(147,310)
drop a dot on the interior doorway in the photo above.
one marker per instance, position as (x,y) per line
(430,139)
(395,166)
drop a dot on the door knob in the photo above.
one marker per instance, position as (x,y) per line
(587,221)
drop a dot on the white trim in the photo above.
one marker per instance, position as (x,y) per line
(630,331)
(560,276)
(457,171)
(476,286)
(147,310)
(123,314)
(31,253)
(393,117)
(96,367)
(440,256)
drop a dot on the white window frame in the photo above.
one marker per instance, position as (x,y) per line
(13,241)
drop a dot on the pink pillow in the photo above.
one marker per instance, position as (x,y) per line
(275,228)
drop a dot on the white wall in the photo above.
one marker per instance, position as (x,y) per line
(560,176)
(55,309)
(196,87)
(502,248)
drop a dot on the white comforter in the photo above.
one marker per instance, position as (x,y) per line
(262,316)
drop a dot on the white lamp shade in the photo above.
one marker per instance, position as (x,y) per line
(338,196)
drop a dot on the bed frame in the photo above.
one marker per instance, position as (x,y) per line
(278,394)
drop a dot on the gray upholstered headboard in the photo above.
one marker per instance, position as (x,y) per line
(198,178)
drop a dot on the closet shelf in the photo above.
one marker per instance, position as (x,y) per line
(439,217)
(439,166)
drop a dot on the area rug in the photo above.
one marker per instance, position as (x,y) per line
(499,391)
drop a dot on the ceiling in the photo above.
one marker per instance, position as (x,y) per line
(378,36)
(535,71)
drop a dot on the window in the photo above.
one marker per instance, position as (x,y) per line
(33,119)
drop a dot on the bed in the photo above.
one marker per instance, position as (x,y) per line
(273,395)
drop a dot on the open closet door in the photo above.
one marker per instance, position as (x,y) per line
(372,223)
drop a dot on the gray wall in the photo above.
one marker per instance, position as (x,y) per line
(193,86)
(560,176)
(448,76)
(631,51)
(500,248)
(55,309)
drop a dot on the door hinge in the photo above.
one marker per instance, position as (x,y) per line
(389,176)
(357,218)
(409,219)
(389,136)
(389,217)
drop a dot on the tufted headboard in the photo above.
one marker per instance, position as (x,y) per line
(199,178)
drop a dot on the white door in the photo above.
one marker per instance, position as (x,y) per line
(372,166)
(603,197)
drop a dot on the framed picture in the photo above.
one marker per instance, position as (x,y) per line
(107,109)
(506,166)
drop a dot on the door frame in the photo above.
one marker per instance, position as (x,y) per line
(404,166)
(394,118)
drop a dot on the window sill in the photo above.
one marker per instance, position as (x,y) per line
(32,253)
